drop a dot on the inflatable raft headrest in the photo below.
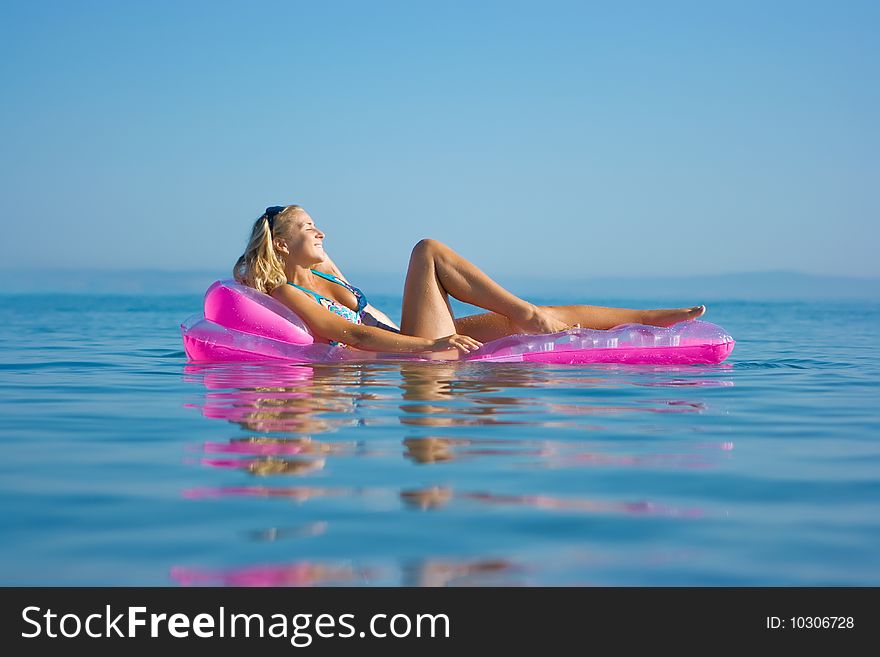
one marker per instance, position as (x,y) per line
(244,309)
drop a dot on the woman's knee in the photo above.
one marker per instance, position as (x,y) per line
(427,248)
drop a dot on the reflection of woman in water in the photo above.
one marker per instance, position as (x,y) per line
(285,258)
(296,401)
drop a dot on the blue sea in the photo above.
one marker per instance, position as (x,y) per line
(123,465)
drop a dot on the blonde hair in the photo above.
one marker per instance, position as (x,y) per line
(260,267)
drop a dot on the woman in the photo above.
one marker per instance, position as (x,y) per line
(285,258)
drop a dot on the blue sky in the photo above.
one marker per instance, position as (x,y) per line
(571,139)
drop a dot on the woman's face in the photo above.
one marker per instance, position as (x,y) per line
(305,243)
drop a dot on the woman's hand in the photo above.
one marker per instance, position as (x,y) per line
(541,321)
(463,343)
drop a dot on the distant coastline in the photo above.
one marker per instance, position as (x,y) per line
(782,285)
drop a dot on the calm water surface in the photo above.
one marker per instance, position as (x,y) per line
(123,465)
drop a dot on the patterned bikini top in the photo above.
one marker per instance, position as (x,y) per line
(353,316)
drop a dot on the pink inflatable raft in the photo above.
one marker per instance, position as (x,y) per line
(242,324)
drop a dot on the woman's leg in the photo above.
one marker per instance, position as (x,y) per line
(491,326)
(435,272)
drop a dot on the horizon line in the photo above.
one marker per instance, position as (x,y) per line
(207,270)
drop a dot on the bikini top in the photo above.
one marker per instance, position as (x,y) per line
(354,316)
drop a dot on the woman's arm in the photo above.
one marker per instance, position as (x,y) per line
(331,326)
(379,318)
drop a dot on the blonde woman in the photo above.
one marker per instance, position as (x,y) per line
(285,258)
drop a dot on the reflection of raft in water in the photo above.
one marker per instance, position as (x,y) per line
(242,324)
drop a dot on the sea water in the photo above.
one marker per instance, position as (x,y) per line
(123,465)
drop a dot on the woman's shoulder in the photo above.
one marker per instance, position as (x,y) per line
(283,291)
(298,300)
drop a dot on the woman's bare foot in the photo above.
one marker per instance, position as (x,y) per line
(670,316)
(538,320)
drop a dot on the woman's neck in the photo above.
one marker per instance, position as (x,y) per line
(299,274)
